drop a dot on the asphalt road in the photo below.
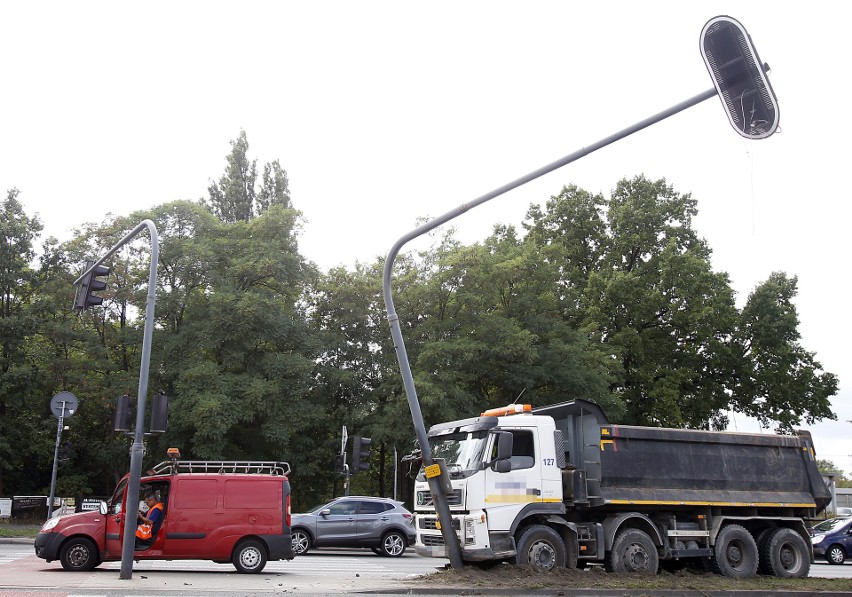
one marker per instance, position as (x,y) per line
(320,572)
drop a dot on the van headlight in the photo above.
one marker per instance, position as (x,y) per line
(817,539)
(50,524)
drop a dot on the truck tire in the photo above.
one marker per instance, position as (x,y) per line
(785,554)
(633,551)
(541,548)
(735,553)
(79,554)
(301,541)
(249,557)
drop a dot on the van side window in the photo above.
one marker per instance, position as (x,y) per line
(115,501)
(523,449)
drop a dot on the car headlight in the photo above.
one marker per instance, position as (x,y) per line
(817,539)
(50,524)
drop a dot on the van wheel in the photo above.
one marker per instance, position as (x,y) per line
(540,548)
(735,553)
(79,554)
(785,554)
(633,551)
(301,542)
(393,544)
(249,557)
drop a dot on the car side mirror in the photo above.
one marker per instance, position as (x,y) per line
(102,508)
(325,512)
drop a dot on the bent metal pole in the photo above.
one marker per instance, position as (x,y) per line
(441,505)
(137,448)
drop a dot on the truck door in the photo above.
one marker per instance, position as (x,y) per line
(507,493)
(114,531)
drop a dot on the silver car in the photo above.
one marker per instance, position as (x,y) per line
(380,524)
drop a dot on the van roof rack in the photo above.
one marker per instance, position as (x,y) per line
(239,467)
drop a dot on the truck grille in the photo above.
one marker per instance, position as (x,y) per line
(424,498)
(432,540)
(431,524)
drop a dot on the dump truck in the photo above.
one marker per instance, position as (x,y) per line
(560,485)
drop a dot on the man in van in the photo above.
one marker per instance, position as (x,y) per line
(145,530)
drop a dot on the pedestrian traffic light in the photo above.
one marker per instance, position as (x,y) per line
(65,450)
(740,78)
(85,296)
(339,461)
(360,454)
(122,414)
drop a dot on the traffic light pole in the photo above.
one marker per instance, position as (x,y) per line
(137,448)
(440,500)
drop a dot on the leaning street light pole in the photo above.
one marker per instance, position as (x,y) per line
(739,79)
(137,448)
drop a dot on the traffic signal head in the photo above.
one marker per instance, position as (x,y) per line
(159,412)
(122,413)
(740,78)
(339,461)
(360,454)
(85,296)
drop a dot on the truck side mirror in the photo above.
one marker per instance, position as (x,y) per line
(505,441)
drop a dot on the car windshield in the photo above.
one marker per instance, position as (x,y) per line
(461,451)
(831,525)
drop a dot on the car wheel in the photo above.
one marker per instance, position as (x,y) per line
(735,553)
(633,551)
(249,557)
(785,554)
(301,542)
(79,554)
(393,544)
(835,555)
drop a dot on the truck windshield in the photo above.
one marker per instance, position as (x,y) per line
(461,451)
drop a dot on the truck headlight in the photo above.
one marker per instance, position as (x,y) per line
(469,531)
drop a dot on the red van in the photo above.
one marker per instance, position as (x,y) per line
(227,511)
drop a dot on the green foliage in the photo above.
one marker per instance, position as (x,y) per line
(264,357)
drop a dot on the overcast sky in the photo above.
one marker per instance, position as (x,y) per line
(381,112)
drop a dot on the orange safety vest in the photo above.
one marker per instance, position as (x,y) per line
(143,531)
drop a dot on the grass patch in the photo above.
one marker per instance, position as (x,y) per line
(16,530)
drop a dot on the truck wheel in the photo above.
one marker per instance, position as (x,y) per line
(393,544)
(249,557)
(835,555)
(735,553)
(301,542)
(79,554)
(540,547)
(633,551)
(785,554)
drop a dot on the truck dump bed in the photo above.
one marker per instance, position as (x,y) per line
(621,464)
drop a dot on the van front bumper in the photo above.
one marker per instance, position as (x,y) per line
(47,545)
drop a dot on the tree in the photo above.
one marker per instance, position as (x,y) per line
(18,284)
(235,199)
(777,379)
